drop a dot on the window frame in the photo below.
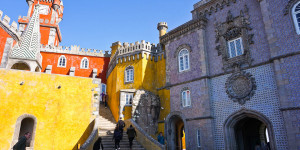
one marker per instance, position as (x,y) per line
(235,47)
(58,63)
(186,101)
(296,23)
(82,63)
(184,60)
(128,99)
(129,74)
(198,138)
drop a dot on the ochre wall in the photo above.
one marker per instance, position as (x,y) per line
(63,115)
(148,75)
(99,63)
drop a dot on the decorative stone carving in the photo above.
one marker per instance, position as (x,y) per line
(240,86)
(181,47)
(234,27)
(145,110)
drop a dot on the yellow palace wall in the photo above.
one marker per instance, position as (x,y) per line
(148,75)
(63,115)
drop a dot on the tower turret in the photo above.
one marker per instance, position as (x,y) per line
(51,13)
(162,27)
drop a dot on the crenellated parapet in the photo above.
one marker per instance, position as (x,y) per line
(135,51)
(75,50)
(12,29)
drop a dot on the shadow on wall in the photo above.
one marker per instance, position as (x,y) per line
(85,135)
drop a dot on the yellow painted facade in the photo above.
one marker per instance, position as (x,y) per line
(63,114)
(148,75)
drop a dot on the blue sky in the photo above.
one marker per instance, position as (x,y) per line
(96,24)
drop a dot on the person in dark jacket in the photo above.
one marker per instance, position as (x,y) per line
(131,134)
(97,144)
(21,144)
(117,137)
(120,126)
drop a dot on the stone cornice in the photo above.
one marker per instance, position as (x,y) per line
(211,6)
(183,29)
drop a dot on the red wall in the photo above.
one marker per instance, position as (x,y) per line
(99,63)
(3,37)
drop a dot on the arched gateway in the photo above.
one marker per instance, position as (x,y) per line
(247,130)
(176,131)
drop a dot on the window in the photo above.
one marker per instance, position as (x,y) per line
(129,97)
(62,61)
(103,86)
(183,59)
(129,74)
(186,98)
(198,138)
(235,47)
(296,16)
(84,63)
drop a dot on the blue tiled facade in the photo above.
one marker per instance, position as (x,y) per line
(275,67)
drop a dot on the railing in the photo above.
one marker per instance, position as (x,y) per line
(143,138)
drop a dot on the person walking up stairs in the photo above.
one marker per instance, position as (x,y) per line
(106,130)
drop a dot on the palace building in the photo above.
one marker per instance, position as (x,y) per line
(227,79)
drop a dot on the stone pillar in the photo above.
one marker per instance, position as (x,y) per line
(49,69)
(95,73)
(72,71)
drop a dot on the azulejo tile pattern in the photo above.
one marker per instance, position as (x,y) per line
(265,101)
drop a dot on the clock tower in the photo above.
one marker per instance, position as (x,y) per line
(51,13)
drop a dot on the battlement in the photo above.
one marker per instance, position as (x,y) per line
(12,28)
(127,48)
(200,3)
(162,25)
(75,50)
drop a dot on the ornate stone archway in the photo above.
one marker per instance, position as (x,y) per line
(231,122)
(170,130)
(18,128)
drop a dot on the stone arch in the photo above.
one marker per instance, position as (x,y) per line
(169,128)
(37,69)
(232,120)
(18,129)
(21,66)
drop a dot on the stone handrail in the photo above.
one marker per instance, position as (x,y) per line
(143,138)
(89,143)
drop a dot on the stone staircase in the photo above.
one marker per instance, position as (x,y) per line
(106,129)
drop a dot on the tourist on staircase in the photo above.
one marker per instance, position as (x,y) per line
(117,137)
(131,134)
(97,144)
(121,125)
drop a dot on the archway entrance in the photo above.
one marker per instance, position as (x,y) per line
(248,130)
(176,133)
(251,134)
(21,66)
(27,125)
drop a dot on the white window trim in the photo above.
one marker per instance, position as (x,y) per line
(186,99)
(296,24)
(198,138)
(127,72)
(81,64)
(129,95)
(58,64)
(229,48)
(188,59)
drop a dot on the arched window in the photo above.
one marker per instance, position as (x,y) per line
(186,98)
(183,59)
(84,63)
(62,61)
(129,72)
(296,16)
